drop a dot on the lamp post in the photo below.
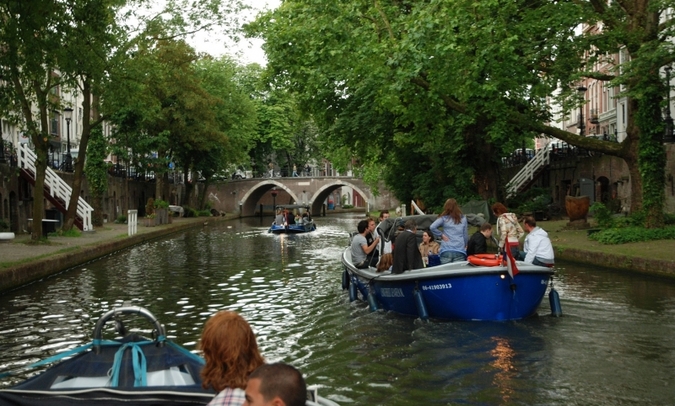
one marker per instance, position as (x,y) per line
(668,132)
(582,124)
(68,115)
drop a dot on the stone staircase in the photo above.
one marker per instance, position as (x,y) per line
(56,190)
(529,173)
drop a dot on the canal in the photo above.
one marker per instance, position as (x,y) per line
(614,345)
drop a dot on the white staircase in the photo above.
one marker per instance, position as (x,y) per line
(57,189)
(533,167)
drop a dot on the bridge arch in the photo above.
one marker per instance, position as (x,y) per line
(248,202)
(322,193)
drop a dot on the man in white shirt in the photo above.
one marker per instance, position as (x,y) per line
(537,248)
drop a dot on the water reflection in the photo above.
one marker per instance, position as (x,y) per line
(613,345)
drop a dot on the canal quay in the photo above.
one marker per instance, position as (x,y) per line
(615,343)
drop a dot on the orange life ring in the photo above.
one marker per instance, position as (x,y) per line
(484,260)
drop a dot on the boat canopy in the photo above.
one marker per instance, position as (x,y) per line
(293,206)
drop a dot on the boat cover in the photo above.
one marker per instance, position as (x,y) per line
(133,371)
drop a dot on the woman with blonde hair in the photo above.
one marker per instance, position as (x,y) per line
(231,353)
(453,229)
(508,228)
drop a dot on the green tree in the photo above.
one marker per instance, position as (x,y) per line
(29,34)
(235,117)
(93,35)
(462,75)
(97,174)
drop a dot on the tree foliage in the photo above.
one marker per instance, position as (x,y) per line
(462,82)
(47,47)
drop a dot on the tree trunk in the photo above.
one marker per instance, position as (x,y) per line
(97,215)
(158,186)
(652,155)
(82,151)
(38,205)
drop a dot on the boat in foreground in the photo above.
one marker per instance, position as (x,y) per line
(289,225)
(131,370)
(453,291)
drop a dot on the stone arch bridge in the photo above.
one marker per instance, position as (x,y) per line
(246,195)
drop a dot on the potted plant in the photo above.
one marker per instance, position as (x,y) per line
(149,220)
(5,233)
(161,209)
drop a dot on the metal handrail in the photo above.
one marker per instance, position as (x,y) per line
(527,173)
(98,329)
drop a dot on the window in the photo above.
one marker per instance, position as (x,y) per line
(54,125)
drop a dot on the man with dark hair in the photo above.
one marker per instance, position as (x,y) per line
(386,246)
(406,250)
(276,385)
(537,248)
(478,241)
(360,246)
(374,255)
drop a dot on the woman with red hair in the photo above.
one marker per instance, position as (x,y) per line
(508,228)
(231,353)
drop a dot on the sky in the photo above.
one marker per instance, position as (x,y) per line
(245,51)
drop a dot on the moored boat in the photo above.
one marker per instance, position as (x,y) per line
(286,224)
(131,370)
(453,291)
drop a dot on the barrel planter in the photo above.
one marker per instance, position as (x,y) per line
(577,211)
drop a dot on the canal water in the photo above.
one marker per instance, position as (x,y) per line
(614,345)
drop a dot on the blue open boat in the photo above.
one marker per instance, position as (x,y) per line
(131,370)
(289,225)
(454,291)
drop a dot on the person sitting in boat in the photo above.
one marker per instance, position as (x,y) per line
(374,255)
(428,246)
(510,232)
(537,248)
(453,229)
(279,219)
(305,218)
(298,218)
(360,247)
(276,384)
(478,241)
(385,263)
(406,251)
(289,217)
(231,352)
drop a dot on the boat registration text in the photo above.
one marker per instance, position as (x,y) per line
(438,286)
(391,292)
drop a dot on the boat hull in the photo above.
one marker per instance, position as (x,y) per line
(292,229)
(456,291)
